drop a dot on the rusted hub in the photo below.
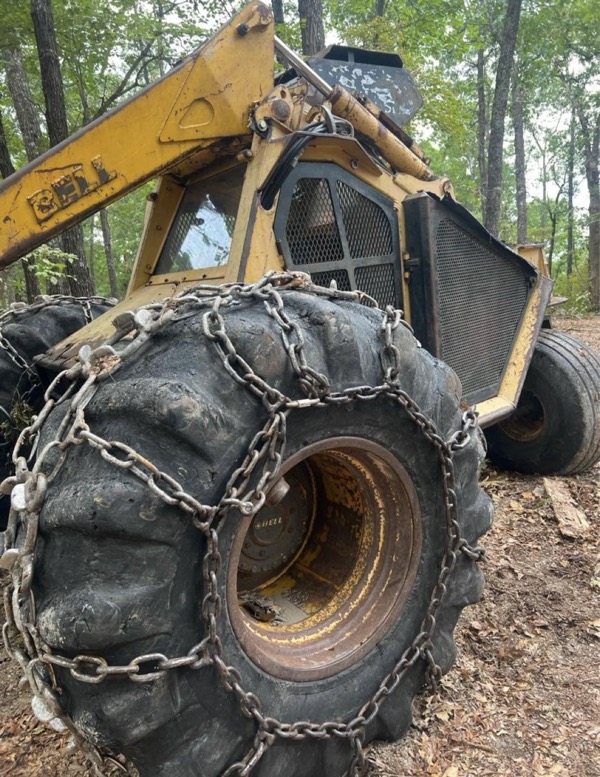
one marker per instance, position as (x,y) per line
(279,531)
(527,422)
(341,552)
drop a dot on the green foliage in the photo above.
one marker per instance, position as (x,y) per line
(21,416)
(126,221)
(49,264)
(575,288)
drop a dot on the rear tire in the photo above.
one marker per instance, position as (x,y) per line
(555,429)
(121,572)
(25,332)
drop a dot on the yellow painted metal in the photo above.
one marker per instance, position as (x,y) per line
(397,154)
(160,212)
(203,101)
(535,255)
(253,250)
(102,328)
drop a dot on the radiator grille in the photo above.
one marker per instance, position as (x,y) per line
(481,300)
(379,282)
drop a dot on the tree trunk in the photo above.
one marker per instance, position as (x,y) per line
(6,165)
(501,90)
(52,83)
(520,163)
(278,16)
(58,129)
(28,120)
(311,25)
(91,222)
(26,108)
(80,284)
(7,283)
(553,214)
(591,138)
(110,260)
(159,13)
(570,195)
(482,129)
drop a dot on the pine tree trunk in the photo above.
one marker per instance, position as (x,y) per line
(56,116)
(570,195)
(110,260)
(553,224)
(311,25)
(520,163)
(159,13)
(499,106)
(8,287)
(26,111)
(24,103)
(91,222)
(591,137)
(482,129)
(6,165)
(278,16)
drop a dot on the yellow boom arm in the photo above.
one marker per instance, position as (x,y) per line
(205,99)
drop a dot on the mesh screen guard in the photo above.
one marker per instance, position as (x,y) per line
(337,228)
(468,292)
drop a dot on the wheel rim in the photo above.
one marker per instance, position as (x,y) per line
(341,553)
(527,422)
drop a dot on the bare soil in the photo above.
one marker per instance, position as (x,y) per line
(524,697)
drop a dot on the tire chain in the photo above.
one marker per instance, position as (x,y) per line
(18,310)
(28,488)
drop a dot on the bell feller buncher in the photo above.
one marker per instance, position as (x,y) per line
(245,506)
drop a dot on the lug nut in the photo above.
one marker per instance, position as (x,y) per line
(278,492)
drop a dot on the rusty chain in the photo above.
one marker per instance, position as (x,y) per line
(245,491)
(20,309)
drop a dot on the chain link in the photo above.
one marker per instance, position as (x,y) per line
(29,375)
(245,491)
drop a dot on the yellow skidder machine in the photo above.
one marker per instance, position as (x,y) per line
(245,507)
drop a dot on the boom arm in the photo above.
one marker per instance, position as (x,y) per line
(206,98)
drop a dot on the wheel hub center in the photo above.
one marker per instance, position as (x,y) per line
(278,532)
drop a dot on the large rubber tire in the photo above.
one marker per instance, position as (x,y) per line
(27,331)
(556,427)
(120,572)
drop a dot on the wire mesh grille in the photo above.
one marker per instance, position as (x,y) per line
(378,282)
(182,226)
(482,298)
(340,277)
(311,230)
(367,226)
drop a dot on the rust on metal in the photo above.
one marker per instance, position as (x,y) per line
(335,590)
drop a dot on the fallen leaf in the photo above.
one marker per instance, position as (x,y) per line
(452,771)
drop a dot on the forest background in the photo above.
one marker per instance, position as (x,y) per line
(512,112)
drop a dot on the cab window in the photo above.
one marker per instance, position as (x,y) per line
(201,233)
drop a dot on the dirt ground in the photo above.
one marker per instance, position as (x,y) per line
(524,697)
